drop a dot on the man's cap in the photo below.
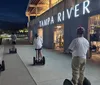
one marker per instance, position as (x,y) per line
(80,30)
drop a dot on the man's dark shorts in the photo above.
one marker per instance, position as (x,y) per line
(13,43)
(38,49)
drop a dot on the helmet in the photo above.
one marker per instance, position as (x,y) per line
(80,30)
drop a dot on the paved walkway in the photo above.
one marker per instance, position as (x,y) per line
(16,72)
(57,67)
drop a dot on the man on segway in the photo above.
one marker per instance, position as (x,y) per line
(79,47)
(38,41)
(13,40)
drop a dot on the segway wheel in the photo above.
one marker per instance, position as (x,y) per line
(9,50)
(15,50)
(67,82)
(86,81)
(43,60)
(3,65)
(0,67)
(33,60)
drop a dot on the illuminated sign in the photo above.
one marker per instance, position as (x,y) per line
(69,13)
(48,21)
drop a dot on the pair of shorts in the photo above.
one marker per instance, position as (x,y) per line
(39,49)
(13,43)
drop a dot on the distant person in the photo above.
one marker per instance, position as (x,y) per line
(79,47)
(38,41)
(13,39)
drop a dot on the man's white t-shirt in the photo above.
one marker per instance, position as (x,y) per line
(13,37)
(38,42)
(79,47)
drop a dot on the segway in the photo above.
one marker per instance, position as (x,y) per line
(36,61)
(2,66)
(69,82)
(13,50)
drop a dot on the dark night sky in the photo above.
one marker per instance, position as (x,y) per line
(12,12)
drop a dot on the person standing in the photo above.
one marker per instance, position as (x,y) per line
(38,41)
(13,40)
(79,47)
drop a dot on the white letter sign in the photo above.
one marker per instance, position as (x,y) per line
(76,10)
(85,6)
(69,13)
(59,17)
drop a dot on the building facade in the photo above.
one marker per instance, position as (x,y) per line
(58,25)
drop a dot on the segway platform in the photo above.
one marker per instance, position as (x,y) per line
(38,62)
(2,66)
(13,50)
(69,82)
